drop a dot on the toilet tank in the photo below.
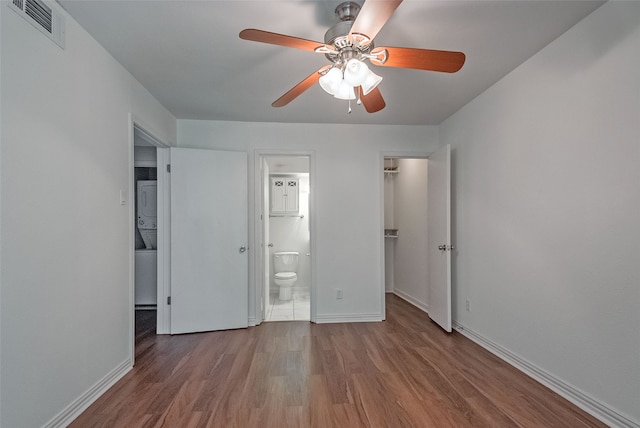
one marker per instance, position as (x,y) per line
(285,261)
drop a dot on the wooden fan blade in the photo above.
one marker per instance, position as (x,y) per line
(372,17)
(421,59)
(297,90)
(373,101)
(279,39)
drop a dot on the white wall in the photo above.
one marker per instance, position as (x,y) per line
(410,218)
(145,156)
(546,202)
(348,198)
(66,240)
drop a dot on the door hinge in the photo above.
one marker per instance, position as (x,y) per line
(168,167)
(168,300)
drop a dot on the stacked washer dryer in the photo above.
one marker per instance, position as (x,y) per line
(146,258)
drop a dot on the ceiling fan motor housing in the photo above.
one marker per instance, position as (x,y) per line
(347,11)
(338,35)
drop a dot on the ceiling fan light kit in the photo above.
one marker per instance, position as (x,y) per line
(370,82)
(331,80)
(345,92)
(347,44)
(356,73)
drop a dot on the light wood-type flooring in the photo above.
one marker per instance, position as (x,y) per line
(403,372)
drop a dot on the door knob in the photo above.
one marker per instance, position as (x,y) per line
(442,247)
(243,249)
(270,245)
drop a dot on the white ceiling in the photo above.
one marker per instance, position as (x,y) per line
(189,56)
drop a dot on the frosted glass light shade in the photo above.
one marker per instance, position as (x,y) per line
(370,82)
(345,92)
(355,72)
(330,81)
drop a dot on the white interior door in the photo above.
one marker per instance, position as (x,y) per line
(439,241)
(209,260)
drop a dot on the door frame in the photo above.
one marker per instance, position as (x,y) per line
(162,152)
(395,155)
(258,256)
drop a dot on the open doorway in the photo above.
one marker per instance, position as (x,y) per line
(406,229)
(286,236)
(417,222)
(148,220)
(145,175)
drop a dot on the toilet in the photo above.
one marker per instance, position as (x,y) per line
(285,265)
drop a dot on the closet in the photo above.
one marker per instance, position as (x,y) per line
(405,229)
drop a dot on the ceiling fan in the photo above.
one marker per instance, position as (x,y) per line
(347,44)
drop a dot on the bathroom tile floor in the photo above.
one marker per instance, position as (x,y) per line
(296,309)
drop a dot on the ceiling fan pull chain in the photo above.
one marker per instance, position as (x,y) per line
(359,102)
(349,111)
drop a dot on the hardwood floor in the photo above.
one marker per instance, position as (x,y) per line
(145,328)
(404,372)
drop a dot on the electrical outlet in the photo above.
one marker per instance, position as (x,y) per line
(467,305)
(338,293)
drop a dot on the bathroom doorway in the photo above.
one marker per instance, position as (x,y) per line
(286,237)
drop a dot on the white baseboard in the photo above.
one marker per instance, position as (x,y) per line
(80,404)
(590,405)
(328,319)
(415,302)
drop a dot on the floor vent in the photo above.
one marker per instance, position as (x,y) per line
(45,18)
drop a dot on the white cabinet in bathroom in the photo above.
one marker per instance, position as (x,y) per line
(284,195)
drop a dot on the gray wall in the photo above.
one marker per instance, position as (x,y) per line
(348,198)
(545,211)
(66,244)
(546,202)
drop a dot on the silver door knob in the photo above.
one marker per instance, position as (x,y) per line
(442,247)
(270,245)
(243,249)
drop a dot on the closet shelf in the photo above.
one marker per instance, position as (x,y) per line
(391,170)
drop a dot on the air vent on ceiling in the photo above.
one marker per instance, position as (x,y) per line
(45,18)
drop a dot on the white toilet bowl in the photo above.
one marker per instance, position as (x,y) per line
(285,265)
(285,281)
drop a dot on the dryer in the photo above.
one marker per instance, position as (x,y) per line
(147,212)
